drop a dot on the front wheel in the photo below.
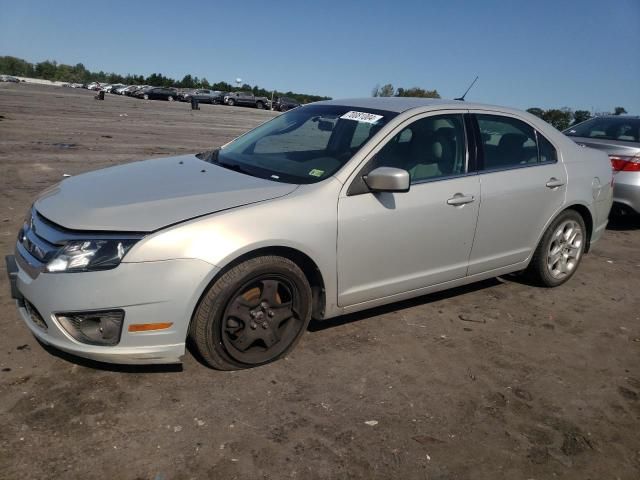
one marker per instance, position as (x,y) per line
(260,105)
(560,250)
(253,314)
(170,98)
(231,102)
(145,96)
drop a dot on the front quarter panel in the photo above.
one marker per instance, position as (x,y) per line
(305,220)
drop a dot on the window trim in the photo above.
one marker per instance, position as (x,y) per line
(357,185)
(548,162)
(480,150)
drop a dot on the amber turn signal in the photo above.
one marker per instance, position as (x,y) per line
(145,327)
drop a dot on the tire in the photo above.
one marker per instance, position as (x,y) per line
(145,96)
(560,250)
(260,105)
(254,314)
(231,102)
(170,98)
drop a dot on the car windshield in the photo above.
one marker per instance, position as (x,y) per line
(608,128)
(305,145)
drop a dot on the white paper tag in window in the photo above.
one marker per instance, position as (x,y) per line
(361,117)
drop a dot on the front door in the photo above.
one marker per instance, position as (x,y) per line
(391,243)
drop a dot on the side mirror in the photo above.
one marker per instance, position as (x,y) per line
(388,179)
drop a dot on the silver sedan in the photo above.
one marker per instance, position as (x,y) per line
(619,137)
(331,208)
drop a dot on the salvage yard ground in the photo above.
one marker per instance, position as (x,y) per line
(496,380)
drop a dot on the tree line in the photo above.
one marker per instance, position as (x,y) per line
(59,72)
(389,90)
(563,118)
(560,118)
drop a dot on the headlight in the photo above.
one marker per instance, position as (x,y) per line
(86,255)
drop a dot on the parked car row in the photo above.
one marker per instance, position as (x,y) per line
(9,78)
(202,95)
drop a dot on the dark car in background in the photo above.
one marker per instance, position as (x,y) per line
(619,137)
(157,93)
(246,99)
(214,97)
(282,104)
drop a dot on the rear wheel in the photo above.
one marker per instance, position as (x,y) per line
(559,253)
(145,96)
(253,314)
(170,98)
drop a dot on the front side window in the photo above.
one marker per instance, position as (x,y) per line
(304,145)
(429,148)
(506,142)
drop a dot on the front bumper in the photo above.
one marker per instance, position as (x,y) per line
(626,190)
(148,292)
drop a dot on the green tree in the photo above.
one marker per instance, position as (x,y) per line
(417,92)
(187,82)
(619,111)
(538,112)
(46,70)
(581,116)
(560,119)
(384,91)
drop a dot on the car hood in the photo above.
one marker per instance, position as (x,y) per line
(148,195)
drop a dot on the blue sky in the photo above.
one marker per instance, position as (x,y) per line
(581,54)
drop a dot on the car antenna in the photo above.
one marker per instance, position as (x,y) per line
(465,93)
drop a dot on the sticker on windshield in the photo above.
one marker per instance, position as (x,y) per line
(316,173)
(361,117)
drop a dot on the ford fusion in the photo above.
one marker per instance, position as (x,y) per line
(330,208)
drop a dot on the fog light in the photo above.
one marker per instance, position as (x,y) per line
(95,328)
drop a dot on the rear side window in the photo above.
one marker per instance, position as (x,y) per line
(509,143)
(506,142)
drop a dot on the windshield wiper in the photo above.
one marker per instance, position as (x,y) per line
(210,156)
(234,166)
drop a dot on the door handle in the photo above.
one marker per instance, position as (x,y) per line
(554,183)
(459,199)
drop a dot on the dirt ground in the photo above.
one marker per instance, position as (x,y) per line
(496,380)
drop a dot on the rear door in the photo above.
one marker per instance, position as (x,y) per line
(523,185)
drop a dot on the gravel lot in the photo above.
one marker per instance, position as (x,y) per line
(496,380)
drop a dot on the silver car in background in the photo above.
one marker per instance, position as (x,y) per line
(331,208)
(619,137)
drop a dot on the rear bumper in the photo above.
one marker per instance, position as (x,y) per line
(626,190)
(148,292)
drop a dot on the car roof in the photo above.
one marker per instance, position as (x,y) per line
(617,117)
(402,104)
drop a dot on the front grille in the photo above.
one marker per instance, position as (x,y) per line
(39,241)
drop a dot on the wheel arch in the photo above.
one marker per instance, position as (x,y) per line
(583,210)
(587,217)
(308,266)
